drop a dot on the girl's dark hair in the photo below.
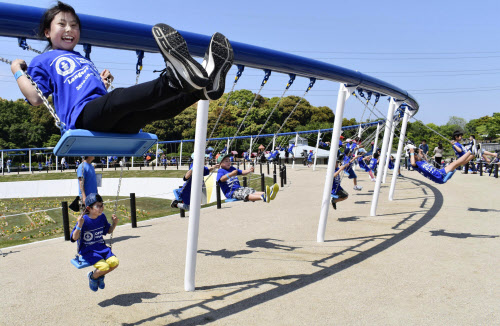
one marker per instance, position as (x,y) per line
(440,145)
(48,17)
(376,155)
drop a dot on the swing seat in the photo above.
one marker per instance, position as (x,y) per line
(79,262)
(228,200)
(177,194)
(80,142)
(334,196)
(448,176)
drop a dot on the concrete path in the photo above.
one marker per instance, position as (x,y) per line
(430,257)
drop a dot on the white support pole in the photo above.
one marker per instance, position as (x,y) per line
(398,155)
(30,160)
(383,153)
(57,162)
(156,154)
(2,162)
(316,151)
(132,161)
(228,142)
(180,156)
(376,139)
(274,143)
(389,150)
(250,149)
(344,94)
(107,162)
(295,150)
(194,213)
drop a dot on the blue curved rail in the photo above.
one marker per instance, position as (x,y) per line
(22,21)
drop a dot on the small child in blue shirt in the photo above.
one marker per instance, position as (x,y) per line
(338,193)
(89,230)
(230,185)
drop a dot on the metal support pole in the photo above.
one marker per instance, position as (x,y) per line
(389,150)
(132,161)
(194,216)
(268,172)
(376,139)
(284,172)
(495,172)
(480,167)
(133,215)
(383,153)
(245,182)
(65,217)
(262,183)
(316,151)
(466,168)
(295,150)
(57,163)
(343,95)
(180,156)
(107,162)
(274,177)
(250,149)
(2,165)
(398,155)
(282,177)
(217,193)
(156,158)
(274,143)
(29,153)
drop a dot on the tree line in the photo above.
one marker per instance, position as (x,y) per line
(25,126)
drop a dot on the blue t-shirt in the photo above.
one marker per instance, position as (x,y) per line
(87,172)
(229,186)
(186,190)
(70,78)
(424,148)
(91,242)
(362,164)
(457,153)
(391,164)
(430,172)
(336,183)
(310,156)
(373,164)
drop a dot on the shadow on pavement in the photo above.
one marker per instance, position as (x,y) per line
(443,233)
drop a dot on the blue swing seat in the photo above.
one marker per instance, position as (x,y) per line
(79,262)
(177,194)
(81,142)
(334,196)
(228,200)
(448,176)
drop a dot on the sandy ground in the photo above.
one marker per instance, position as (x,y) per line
(430,257)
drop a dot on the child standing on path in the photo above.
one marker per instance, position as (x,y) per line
(89,230)
(80,92)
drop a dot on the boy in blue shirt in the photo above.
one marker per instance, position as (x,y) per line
(89,230)
(227,177)
(429,171)
(87,182)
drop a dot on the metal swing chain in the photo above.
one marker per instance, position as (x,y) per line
(116,201)
(238,75)
(264,81)
(311,84)
(290,82)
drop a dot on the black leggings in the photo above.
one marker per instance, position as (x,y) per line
(127,110)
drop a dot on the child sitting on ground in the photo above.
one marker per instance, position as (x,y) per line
(429,171)
(230,185)
(92,224)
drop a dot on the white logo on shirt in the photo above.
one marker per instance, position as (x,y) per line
(87,236)
(65,66)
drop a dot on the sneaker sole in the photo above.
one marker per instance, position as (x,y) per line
(219,61)
(274,191)
(174,49)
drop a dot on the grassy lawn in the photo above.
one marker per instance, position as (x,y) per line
(32,225)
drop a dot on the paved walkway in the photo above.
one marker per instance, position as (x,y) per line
(430,257)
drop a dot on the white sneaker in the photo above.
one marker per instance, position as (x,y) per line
(357,187)
(374,179)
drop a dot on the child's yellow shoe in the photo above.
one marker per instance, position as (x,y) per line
(268,194)
(274,191)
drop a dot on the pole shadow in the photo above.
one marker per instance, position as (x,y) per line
(443,233)
(483,210)
(296,281)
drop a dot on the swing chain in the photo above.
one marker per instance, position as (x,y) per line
(116,200)
(24,45)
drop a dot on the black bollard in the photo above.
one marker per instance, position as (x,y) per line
(466,168)
(480,167)
(274,177)
(282,177)
(217,189)
(268,173)
(133,215)
(495,174)
(260,167)
(238,165)
(65,217)
(183,213)
(262,182)
(244,164)
(245,182)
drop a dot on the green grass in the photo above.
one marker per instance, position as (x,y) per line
(33,226)
(106,174)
